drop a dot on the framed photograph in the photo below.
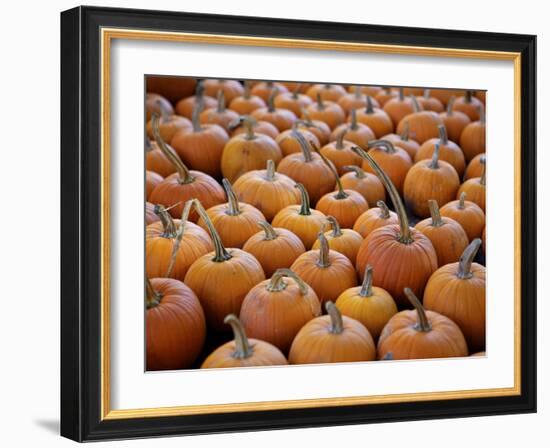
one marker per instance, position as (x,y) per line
(277,224)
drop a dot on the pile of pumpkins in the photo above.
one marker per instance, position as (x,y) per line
(279,218)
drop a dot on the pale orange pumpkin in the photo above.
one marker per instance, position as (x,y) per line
(152,179)
(171,87)
(186,106)
(354,132)
(354,100)
(259,127)
(327,111)
(264,89)
(289,144)
(469,104)
(168,127)
(376,119)
(150,215)
(219,115)
(475,167)
(366,184)
(428,102)
(384,95)
(399,107)
(454,121)
(246,103)
(445,95)
(475,187)
(403,141)
(472,139)
(332,338)
(423,124)
(339,153)
(282,119)
(156,161)
(468,214)
(294,101)
(375,217)
(366,89)
(230,88)
(319,128)
(345,241)
(276,309)
(448,151)
(157,104)
(327,92)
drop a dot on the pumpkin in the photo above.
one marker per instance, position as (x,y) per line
(469,104)
(400,256)
(430,179)
(301,220)
(264,89)
(328,272)
(366,89)
(282,119)
(384,95)
(340,154)
(171,247)
(411,91)
(275,310)
(376,119)
(274,248)
(368,304)
(317,127)
(354,100)
(345,241)
(234,221)
(201,147)
(445,95)
(308,169)
(345,205)
(394,160)
(247,152)
(260,127)
(332,338)
(243,352)
(423,124)
(289,144)
(155,103)
(457,290)
(454,121)
(152,179)
(175,328)
(294,101)
(230,88)
(366,184)
(267,190)
(475,167)
(221,279)
(447,236)
(219,115)
(403,141)
(327,92)
(421,334)
(150,215)
(171,87)
(156,161)
(373,218)
(467,213)
(475,187)
(246,103)
(184,184)
(448,151)
(481,95)
(300,87)
(354,132)
(399,107)
(186,106)
(428,102)
(168,127)
(327,111)
(472,139)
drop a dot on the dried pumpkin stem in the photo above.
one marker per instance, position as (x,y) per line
(152,297)
(278,284)
(434,213)
(482,179)
(401,94)
(247,88)
(340,139)
(416,104)
(336,230)
(179,235)
(405,236)
(341,193)
(461,200)
(296,91)
(221,102)
(450,105)
(384,210)
(243,349)
(270,233)
(324,250)
(195,115)
(220,252)
(359,173)
(271,100)
(184,175)
(405,134)
(482,118)
(443,138)
(370,107)
(426,94)
(233,208)
(423,323)
(357,92)
(353,123)
(336,321)
(434,163)
(466,259)
(306,118)
(386,145)
(168,225)
(320,103)
(366,286)
(304,207)
(270,171)
(468,96)
(304,145)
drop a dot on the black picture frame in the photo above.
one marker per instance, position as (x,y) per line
(80,228)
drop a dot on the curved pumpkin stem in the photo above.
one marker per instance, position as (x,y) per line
(233,208)
(152,297)
(320,103)
(461,200)
(423,323)
(482,179)
(243,349)
(278,284)
(336,230)
(340,139)
(270,233)
(305,208)
(405,236)
(353,123)
(443,138)
(304,146)
(466,259)
(341,194)
(434,213)
(434,163)
(384,210)
(385,144)
(168,225)
(220,252)
(184,176)
(324,250)
(366,286)
(370,107)
(179,235)
(405,135)
(270,171)
(416,104)
(336,321)
(359,173)
(248,124)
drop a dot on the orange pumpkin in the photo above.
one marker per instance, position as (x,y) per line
(399,107)
(156,161)
(332,338)
(340,154)
(448,151)
(152,179)
(265,89)
(430,179)
(175,328)
(230,88)
(327,111)
(235,272)
(317,127)
(328,272)
(354,100)
(186,106)
(403,141)
(376,119)
(421,334)
(301,220)
(248,152)
(168,127)
(472,139)
(400,256)
(384,95)
(219,115)
(274,248)
(475,187)
(327,92)
(157,104)
(469,104)
(184,184)
(259,127)
(282,119)
(423,124)
(445,95)
(368,304)
(243,352)
(484,239)
(354,132)
(275,310)
(457,290)
(454,121)
(467,213)
(246,103)
(366,184)
(171,87)
(366,89)
(308,169)
(475,167)
(345,241)
(267,190)
(294,101)
(447,236)
(289,144)
(428,102)
(375,217)
(150,215)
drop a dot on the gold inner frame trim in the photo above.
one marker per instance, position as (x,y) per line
(107,35)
